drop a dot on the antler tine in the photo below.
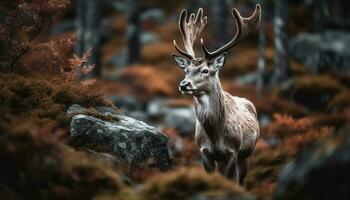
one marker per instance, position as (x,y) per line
(243,26)
(181,23)
(190,29)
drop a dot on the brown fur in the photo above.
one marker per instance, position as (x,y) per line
(226,125)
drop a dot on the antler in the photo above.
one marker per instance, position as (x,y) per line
(190,30)
(243,26)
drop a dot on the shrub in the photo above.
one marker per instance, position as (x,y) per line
(340,102)
(285,126)
(36,166)
(315,92)
(24,21)
(40,99)
(149,82)
(273,105)
(187,182)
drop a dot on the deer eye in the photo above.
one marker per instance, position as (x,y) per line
(205,71)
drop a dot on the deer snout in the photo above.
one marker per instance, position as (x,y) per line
(184,84)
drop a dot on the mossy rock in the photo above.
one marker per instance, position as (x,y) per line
(189,183)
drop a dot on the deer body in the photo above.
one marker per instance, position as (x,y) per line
(227,128)
(232,126)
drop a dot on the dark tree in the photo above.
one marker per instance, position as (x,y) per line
(133,31)
(88,31)
(221,17)
(194,5)
(320,10)
(261,47)
(280,41)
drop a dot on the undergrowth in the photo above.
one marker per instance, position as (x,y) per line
(39,99)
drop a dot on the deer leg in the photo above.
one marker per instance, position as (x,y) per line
(227,168)
(242,169)
(207,160)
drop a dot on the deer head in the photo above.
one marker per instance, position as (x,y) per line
(202,71)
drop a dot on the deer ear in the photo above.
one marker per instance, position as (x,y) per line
(181,61)
(218,62)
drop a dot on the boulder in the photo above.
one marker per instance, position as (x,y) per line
(131,141)
(327,51)
(320,173)
(180,117)
(183,119)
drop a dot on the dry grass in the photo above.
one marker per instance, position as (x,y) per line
(186,182)
(39,166)
(43,100)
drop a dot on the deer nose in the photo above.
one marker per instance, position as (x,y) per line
(184,84)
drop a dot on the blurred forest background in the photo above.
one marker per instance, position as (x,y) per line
(109,59)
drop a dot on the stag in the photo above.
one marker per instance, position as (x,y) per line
(227,128)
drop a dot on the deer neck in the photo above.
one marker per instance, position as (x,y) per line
(210,109)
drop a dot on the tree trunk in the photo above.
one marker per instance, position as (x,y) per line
(193,6)
(280,41)
(220,14)
(261,48)
(88,31)
(133,31)
(320,21)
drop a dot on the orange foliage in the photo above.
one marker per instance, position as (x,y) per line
(285,126)
(149,82)
(49,57)
(158,52)
(296,143)
(79,68)
(25,20)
